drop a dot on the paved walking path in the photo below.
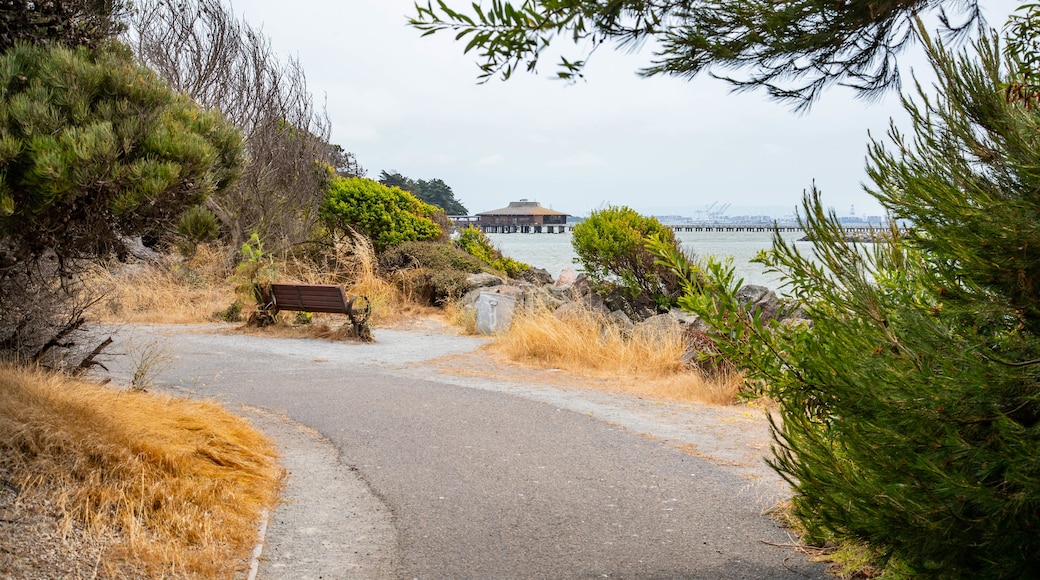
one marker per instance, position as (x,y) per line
(404,463)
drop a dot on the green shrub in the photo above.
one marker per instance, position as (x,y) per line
(386,215)
(431,272)
(612,249)
(255,274)
(233,313)
(475,242)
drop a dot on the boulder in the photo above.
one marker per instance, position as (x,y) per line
(761,300)
(751,294)
(482,280)
(536,276)
(621,321)
(581,285)
(657,325)
(570,311)
(685,317)
(567,277)
(494,312)
(543,297)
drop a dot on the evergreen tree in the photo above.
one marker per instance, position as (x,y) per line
(793,49)
(93,149)
(434,192)
(910,406)
(438,193)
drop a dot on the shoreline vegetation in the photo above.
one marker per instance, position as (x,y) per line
(76,453)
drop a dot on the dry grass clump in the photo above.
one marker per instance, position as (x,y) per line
(352,262)
(181,482)
(198,289)
(647,363)
(181,292)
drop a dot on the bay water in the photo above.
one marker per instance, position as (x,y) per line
(554,252)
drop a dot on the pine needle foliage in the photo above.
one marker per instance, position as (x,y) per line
(93,149)
(910,406)
(793,49)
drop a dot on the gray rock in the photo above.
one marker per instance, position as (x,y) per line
(655,326)
(543,297)
(483,280)
(751,294)
(570,311)
(581,284)
(537,276)
(494,312)
(621,320)
(564,292)
(761,300)
(685,317)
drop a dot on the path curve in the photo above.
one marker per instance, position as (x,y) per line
(479,476)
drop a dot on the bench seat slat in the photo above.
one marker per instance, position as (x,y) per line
(328,298)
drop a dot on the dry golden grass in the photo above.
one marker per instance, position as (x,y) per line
(184,292)
(181,482)
(648,363)
(192,291)
(352,263)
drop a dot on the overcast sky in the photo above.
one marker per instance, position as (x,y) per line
(659,145)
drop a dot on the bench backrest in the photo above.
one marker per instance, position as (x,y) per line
(310,297)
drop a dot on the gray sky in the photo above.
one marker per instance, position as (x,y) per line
(659,145)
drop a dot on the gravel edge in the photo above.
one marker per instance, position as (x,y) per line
(328,524)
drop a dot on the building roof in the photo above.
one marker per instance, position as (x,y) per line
(522,207)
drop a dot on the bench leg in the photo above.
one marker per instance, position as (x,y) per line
(358,310)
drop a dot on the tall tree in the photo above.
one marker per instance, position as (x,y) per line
(434,191)
(202,49)
(393,178)
(793,49)
(910,407)
(93,149)
(438,193)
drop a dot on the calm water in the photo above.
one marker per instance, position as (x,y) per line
(553,252)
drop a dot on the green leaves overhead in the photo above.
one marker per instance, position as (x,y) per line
(793,49)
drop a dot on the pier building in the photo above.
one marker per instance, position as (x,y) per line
(524,216)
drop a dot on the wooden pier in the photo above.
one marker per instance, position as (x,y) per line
(460,222)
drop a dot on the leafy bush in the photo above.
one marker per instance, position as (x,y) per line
(386,215)
(476,243)
(612,248)
(434,273)
(910,408)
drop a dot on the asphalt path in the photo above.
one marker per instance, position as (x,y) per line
(485,478)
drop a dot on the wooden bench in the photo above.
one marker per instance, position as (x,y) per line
(327,298)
